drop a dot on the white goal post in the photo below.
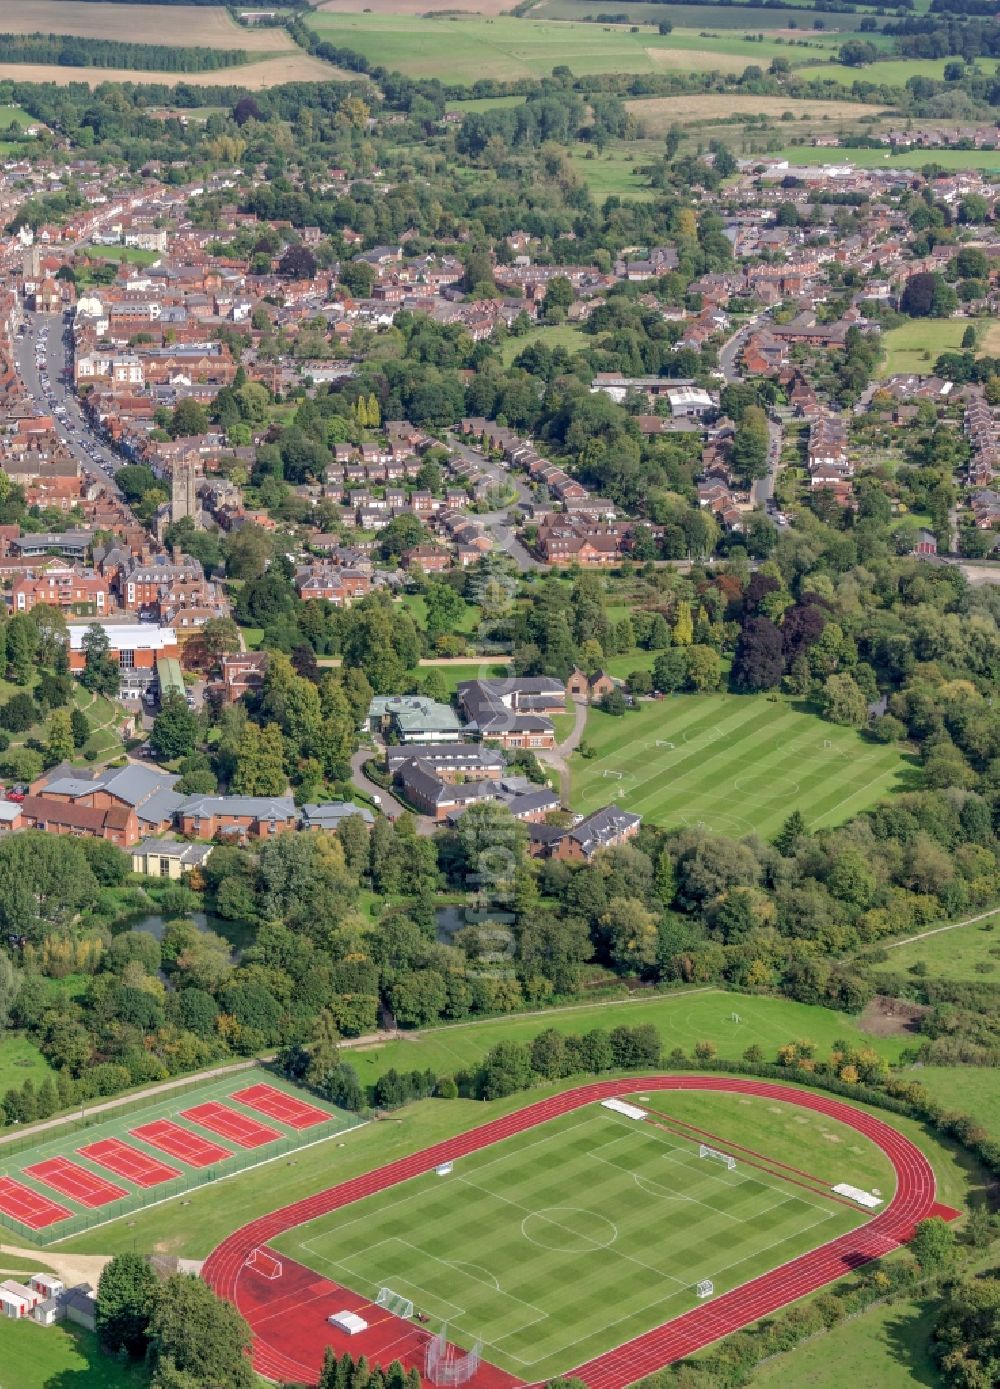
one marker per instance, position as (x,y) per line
(704,1151)
(394,1302)
(664,743)
(705,1288)
(610,772)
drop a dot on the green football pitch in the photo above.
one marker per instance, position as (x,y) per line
(732,764)
(570,1238)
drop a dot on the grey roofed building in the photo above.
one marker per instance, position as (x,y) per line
(178,850)
(414,719)
(134,784)
(609,825)
(80,1306)
(148,790)
(331,814)
(258,807)
(448,757)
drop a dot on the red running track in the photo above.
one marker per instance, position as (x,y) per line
(914,1200)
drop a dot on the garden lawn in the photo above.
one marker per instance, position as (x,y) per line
(733,764)
(589,1230)
(557,335)
(966,952)
(20,1060)
(44,1357)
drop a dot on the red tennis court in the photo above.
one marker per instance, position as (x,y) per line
(27,1206)
(238,1127)
(278,1104)
(71,1179)
(128,1162)
(181,1143)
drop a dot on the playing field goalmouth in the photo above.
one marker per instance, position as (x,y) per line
(576,1236)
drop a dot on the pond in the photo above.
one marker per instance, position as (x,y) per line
(239,934)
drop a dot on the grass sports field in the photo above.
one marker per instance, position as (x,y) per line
(988,160)
(148,1152)
(734,764)
(585,1212)
(914,346)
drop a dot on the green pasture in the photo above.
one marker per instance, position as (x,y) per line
(745,18)
(733,764)
(589,1230)
(969,953)
(613,173)
(465,48)
(889,72)
(700,1015)
(914,346)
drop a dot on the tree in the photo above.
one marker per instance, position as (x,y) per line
(19,713)
(10,985)
(844,701)
(175,728)
(260,762)
(704,668)
(80,727)
(506,1069)
(189,417)
(790,833)
(759,661)
(194,1332)
(967,1333)
(100,672)
(631,934)
(669,670)
(751,443)
(298,263)
(60,743)
(126,1297)
(21,637)
(933,1244)
(444,607)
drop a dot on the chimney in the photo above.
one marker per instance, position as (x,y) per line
(175,554)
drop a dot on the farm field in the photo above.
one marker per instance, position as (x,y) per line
(745,18)
(255,76)
(968,952)
(150,1151)
(891,72)
(659,113)
(463,48)
(988,160)
(196,26)
(734,764)
(913,346)
(585,1210)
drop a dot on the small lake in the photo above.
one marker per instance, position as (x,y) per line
(239,934)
